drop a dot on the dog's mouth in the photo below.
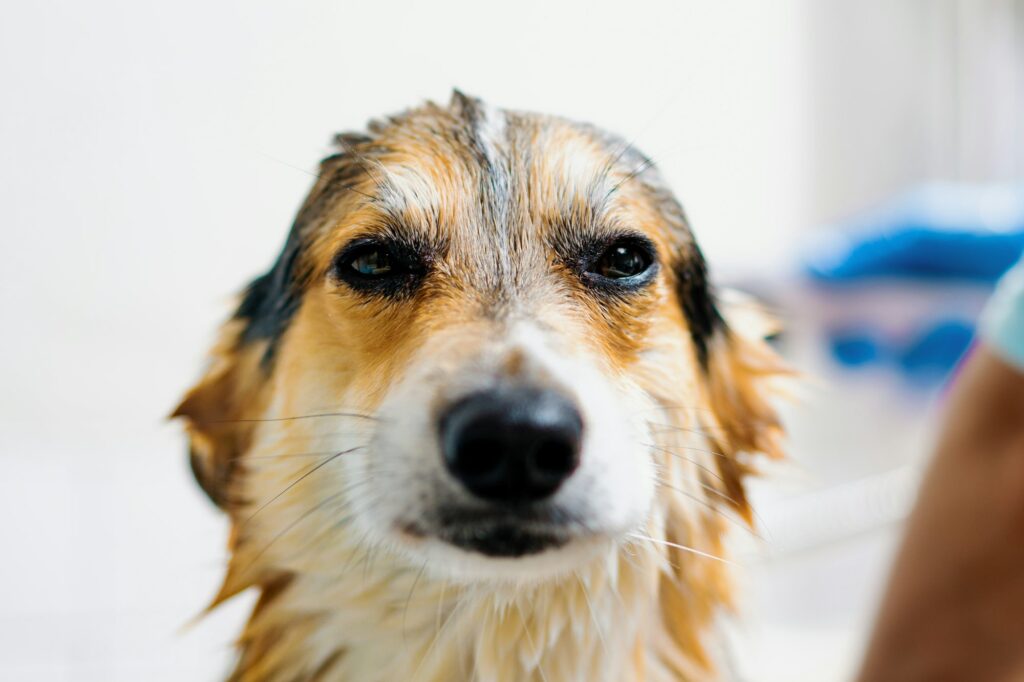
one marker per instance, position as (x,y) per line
(500,539)
(499,534)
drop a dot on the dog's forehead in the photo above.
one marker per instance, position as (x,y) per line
(504,171)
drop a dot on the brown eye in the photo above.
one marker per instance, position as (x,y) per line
(623,260)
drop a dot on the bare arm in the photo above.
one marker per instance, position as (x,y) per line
(954,609)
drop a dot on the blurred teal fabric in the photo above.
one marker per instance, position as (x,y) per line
(1002,324)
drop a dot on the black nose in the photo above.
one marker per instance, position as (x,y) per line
(512,445)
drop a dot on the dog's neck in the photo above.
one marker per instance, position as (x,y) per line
(623,617)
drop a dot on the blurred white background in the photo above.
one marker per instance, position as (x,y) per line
(154,153)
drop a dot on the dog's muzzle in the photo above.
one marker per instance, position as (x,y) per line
(510,448)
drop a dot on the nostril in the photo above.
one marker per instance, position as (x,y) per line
(478,459)
(553,459)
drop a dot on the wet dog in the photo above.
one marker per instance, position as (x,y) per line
(485,418)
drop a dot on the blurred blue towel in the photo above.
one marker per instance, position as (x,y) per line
(940,231)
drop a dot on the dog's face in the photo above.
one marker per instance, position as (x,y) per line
(469,354)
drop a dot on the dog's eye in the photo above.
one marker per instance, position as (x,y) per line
(374,266)
(623,260)
(373,262)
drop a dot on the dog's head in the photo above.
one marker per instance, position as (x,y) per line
(489,346)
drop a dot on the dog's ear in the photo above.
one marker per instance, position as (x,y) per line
(215,412)
(743,373)
(740,376)
(220,409)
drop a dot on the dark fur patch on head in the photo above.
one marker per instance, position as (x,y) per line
(696,295)
(468,108)
(272,299)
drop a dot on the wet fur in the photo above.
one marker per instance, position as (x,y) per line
(300,366)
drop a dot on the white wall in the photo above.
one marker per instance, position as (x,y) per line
(900,92)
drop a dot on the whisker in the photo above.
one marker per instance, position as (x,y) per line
(371,556)
(322,453)
(712,489)
(359,544)
(280,534)
(315,468)
(753,512)
(736,522)
(694,462)
(405,609)
(627,556)
(289,165)
(693,448)
(368,165)
(715,491)
(351,188)
(682,547)
(634,173)
(713,432)
(347,490)
(358,415)
(314,541)
(599,179)
(286,444)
